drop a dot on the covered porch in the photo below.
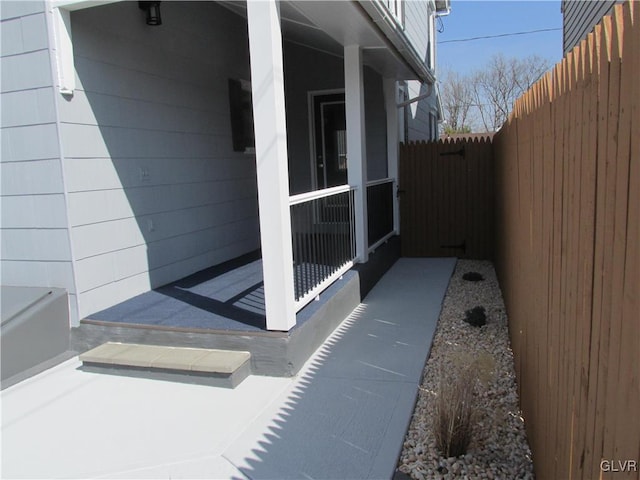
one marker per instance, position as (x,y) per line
(311,229)
(324,232)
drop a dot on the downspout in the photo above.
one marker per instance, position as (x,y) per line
(418,98)
(440,109)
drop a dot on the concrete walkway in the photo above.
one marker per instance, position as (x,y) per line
(343,416)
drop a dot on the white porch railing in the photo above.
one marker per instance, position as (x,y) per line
(323,240)
(380,224)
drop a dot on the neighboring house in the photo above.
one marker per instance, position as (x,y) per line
(128,151)
(579,17)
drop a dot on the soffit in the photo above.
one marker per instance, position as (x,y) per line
(329,26)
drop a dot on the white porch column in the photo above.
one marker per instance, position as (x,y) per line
(267,86)
(391,105)
(356,144)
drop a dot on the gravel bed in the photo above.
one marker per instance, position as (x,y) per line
(499,447)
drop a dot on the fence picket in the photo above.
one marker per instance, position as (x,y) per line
(560,187)
(568,249)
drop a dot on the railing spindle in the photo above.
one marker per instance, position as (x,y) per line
(322,228)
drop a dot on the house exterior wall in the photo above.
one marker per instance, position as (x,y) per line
(132,182)
(417,23)
(420,117)
(305,70)
(155,189)
(579,17)
(35,241)
(308,70)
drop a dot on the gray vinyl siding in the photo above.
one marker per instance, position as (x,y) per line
(305,70)
(308,70)
(417,24)
(155,189)
(579,18)
(36,248)
(416,27)
(417,114)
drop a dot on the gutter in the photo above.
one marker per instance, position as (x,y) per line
(396,37)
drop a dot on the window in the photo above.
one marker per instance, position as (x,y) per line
(241,110)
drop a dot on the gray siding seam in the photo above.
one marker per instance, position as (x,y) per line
(29,160)
(176,262)
(25,52)
(156,157)
(175,210)
(189,157)
(144,73)
(28,89)
(135,188)
(17,17)
(155,185)
(151,184)
(159,240)
(44,194)
(139,100)
(26,125)
(29,260)
(138,129)
(155,269)
(165,102)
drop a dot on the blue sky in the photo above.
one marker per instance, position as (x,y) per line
(474,18)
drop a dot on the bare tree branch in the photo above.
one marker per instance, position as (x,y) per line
(457,99)
(497,86)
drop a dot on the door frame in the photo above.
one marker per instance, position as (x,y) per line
(311,95)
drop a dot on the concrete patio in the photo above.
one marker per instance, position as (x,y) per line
(343,416)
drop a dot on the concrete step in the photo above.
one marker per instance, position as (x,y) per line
(221,368)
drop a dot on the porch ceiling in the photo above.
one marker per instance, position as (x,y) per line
(329,26)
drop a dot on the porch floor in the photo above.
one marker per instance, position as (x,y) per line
(228,297)
(223,308)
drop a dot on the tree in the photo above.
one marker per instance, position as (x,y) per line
(448,130)
(482,101)
(497,86)
(457,99)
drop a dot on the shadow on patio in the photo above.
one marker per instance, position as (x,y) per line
(347,414)
(229,296)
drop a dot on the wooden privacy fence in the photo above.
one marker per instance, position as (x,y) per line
(446,198)
(568,233)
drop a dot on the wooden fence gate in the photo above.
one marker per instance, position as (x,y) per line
(447,198)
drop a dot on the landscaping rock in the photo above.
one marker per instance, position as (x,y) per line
(476,317)
(473,277)
(499,447)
